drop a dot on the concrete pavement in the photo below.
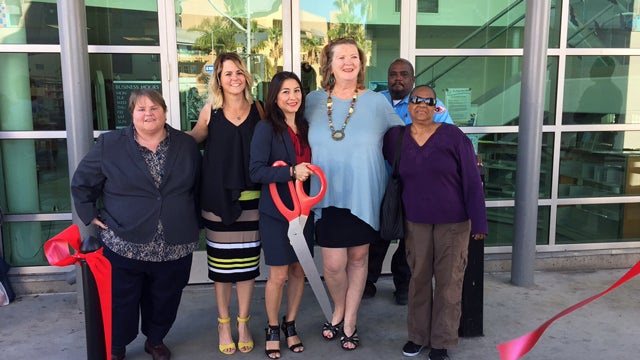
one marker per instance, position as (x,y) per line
(51,326)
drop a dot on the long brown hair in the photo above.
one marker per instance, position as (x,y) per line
(327,58)
(274,115)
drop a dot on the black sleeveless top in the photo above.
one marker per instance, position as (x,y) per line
(225,167)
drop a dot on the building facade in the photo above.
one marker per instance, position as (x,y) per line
(470,51)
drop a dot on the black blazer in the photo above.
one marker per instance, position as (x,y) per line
(112,182)
(266,148)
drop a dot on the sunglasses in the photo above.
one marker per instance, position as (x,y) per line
(427,101)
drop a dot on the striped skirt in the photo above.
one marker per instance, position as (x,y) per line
(233,251)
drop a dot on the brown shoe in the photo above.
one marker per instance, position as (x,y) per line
(117,357)
(158,352)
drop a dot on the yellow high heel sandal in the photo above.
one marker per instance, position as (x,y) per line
(245,347)
(227,349)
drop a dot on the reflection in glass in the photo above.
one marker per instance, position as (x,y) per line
(31,92)
(374,24)
(595,164)
(35,180)
(28,22)
(601,90)
(602,24)
(38,179)
(499,154)
(23,241)
(206,28)
(595,223)
(113,77)
(122,23)
(471,24)
(555,16)
(108,23)
(501,226)
(485,88)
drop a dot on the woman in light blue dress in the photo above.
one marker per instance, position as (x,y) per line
(346,126)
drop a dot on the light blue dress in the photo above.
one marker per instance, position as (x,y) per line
(354,167)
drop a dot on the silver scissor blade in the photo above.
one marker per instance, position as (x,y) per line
(299,244)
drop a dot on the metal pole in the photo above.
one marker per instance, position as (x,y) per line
(93,323)
(76,86)
(248,36)
(534,71)
(76,81)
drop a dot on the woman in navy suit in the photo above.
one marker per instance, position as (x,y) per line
(139,185)
(282,135)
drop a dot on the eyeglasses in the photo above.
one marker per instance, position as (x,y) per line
(418,99)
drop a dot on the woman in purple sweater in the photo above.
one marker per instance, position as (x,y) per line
(444,203)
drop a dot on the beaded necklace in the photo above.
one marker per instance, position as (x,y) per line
(338,135)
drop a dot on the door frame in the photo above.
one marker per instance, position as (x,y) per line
(291,44)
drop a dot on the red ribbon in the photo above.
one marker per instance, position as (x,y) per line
(58,253)
(517,348)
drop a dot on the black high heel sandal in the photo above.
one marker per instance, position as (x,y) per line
(353,340)
(272,333)
(289,330)
(334,329)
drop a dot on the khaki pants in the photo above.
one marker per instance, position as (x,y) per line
(436,251)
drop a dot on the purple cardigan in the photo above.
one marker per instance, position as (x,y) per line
(441,182)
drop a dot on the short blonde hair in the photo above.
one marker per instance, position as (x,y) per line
(327,58)
(216,95)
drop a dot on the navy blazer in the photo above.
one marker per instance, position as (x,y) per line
(266,148)
(113,183)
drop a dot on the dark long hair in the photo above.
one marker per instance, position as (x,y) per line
(274,115)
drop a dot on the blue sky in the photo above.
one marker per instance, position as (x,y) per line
(318,7)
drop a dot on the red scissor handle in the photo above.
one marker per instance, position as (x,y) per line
(302,203)
(289,214)
(306,201)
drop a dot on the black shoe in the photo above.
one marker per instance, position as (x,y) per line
(438,354)
(118,353)
(411,349)
(402,297)
(158,352)
(272,333)
(369,290)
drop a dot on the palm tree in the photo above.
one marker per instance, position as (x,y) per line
(273,58)
(312,47)
(350,21)
(218,35)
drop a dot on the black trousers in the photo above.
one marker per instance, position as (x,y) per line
(148,292)
(399,267)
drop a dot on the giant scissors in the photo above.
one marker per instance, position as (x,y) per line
(297,217)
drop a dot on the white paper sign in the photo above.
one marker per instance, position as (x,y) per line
(458,102)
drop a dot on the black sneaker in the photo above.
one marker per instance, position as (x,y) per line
(369,290)
(411,349)
(402,297)
(438,354)
(439,357)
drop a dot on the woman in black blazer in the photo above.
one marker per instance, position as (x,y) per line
(139,186)
(282,135)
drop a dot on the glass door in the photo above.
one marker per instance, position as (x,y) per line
(281,35)
(375,25)
(204,29)
(271,35)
